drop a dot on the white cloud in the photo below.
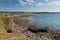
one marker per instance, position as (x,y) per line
(40,4)
(17,5)
(22,2)
(30,2)
(51,3)
(54,3)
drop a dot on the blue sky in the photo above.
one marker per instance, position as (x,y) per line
(30,5)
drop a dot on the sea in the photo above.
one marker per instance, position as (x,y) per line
(50,19)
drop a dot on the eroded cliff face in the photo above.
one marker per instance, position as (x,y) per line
(34,32)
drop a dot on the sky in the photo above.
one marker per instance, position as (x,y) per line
(30,5)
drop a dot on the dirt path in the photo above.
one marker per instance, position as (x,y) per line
(12,36)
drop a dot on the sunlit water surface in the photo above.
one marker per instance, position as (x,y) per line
(50,20)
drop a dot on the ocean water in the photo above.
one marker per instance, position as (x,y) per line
(50,20)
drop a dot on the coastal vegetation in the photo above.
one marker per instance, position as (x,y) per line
(5,21)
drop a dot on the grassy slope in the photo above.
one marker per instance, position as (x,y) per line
(2,30)
(5,21)
(4,25)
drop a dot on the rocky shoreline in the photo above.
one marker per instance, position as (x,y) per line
(22,30)
(35,32)
(43,34)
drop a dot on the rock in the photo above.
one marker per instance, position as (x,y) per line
(35,32)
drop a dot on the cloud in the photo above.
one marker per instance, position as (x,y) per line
(22,2)
(30,2)
(35,3)
(50,3)
(54,3)
(40,4)
(17,5)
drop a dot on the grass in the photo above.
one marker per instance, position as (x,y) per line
(5,21)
